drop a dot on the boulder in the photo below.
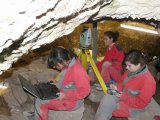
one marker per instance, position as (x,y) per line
(67,115)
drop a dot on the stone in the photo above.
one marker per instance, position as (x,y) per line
(67,115)
(3,117)
(152,110)
(153,71)
(27,25)
(95,95)
(16,96)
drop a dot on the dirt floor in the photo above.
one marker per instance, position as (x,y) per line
(4,110)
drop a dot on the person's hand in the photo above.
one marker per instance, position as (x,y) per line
(53,82)
(106,64)
(113,87)
(61,96)
(118,94)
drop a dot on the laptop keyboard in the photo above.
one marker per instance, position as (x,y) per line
(47,90)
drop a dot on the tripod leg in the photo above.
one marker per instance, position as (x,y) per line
(83,57)
(96,71)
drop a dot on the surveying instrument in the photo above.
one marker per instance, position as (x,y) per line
(85,56)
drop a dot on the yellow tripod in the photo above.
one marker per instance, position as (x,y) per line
(85,57)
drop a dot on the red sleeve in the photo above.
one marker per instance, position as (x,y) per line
(147,90)
(118,54)
(120,84)
(148,87)
(108,55)
(81,79)
(115,54)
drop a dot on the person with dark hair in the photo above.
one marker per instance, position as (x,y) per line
(110,67)
(73,84)
(133,95)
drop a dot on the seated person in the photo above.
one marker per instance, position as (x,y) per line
(110,66)
(134,93)
(73,84)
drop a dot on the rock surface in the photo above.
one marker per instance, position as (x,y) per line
(28,24)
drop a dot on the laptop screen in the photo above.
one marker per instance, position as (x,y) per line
(42,90)
(28,87)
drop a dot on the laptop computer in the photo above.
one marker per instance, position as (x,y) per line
(42,91)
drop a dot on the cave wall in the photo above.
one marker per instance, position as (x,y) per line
(28,24)
(128,39)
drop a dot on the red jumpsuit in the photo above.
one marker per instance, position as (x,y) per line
(137,93)
(75,74)
(115,55)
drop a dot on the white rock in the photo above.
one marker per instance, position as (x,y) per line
(29,24)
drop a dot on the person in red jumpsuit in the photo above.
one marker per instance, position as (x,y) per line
(110,67)
(132,96)
(74,84)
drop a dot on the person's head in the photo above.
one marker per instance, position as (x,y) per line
(110,37)
(60,58)
(134,60)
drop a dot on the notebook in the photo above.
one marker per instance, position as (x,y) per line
(42,91)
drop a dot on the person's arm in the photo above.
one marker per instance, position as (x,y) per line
(107,55)
(139,96)
(81,80)
(117,55)
(119,84)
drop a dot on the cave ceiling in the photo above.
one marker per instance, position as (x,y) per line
(29,24)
